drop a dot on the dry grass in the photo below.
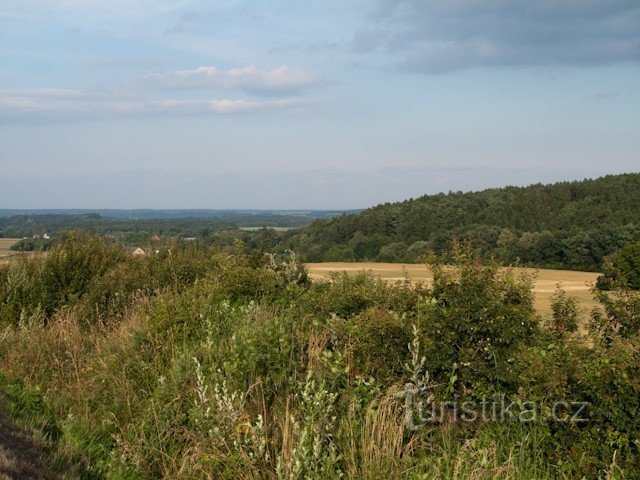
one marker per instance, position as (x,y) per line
(6,244)
(576,284)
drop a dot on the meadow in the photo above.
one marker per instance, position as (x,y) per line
(6,244)
(545,281)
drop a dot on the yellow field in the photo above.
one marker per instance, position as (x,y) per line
(576,284)
(6,244)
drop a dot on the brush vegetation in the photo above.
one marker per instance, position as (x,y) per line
(196,362)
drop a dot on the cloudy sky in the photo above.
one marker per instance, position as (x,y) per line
(309,103)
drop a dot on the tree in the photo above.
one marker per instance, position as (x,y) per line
(622,268)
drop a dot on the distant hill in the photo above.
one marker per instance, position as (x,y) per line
(138,214)
(566,225)
(135,227)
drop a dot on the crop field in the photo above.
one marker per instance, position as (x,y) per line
(6,244)
(576,284)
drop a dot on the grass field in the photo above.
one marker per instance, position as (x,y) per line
(6,244)
(576,284)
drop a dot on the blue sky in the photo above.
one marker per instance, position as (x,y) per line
(309,104)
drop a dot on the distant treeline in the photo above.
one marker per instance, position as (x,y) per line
(570,225)
(136,231)
(141,213)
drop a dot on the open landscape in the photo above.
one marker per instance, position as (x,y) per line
(320,240)
(192,347)
(193,360)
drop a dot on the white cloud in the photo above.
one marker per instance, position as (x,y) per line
(72,103)
(249,79)
(223,106)
(148,95)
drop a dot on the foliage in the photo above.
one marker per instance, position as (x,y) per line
(375,343)
(32,245)
(565,312)
(539,225)
(226,363)
(475,323)
(43,284)
(622,268)
(606,377)
(621,316)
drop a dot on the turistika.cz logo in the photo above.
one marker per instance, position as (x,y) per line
(422,409)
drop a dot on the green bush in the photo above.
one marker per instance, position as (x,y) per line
(173,267)
(621,314)
(347,295)
(622,268)
(475,323)
(375,343)
(607,378)
(564,312)
(209,363)
(102,279)
(59,278)
(33,245)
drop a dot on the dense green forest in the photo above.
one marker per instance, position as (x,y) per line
(206,362)
(571,225)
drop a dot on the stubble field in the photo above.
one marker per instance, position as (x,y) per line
(576,284)
(6,244)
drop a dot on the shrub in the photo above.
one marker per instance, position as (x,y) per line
(33,245)
(375,343)
(347,295)
(476,321)
(621,314)
(607,378)
(229,364)
(622,268)
(173,267)
(61,277)
(564,312)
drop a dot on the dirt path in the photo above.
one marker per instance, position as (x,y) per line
(21,454)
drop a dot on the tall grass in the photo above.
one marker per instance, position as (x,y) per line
(247,371)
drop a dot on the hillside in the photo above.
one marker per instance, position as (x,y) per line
(564,225)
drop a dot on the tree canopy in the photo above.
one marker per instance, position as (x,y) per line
(571,225)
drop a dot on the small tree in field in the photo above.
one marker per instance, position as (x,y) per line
(565,312)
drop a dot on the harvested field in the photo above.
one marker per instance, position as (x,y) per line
(6,244)
(576,284)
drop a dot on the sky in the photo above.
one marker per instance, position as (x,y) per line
(305,104)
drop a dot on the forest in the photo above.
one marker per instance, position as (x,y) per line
(567,225)
(220,229)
